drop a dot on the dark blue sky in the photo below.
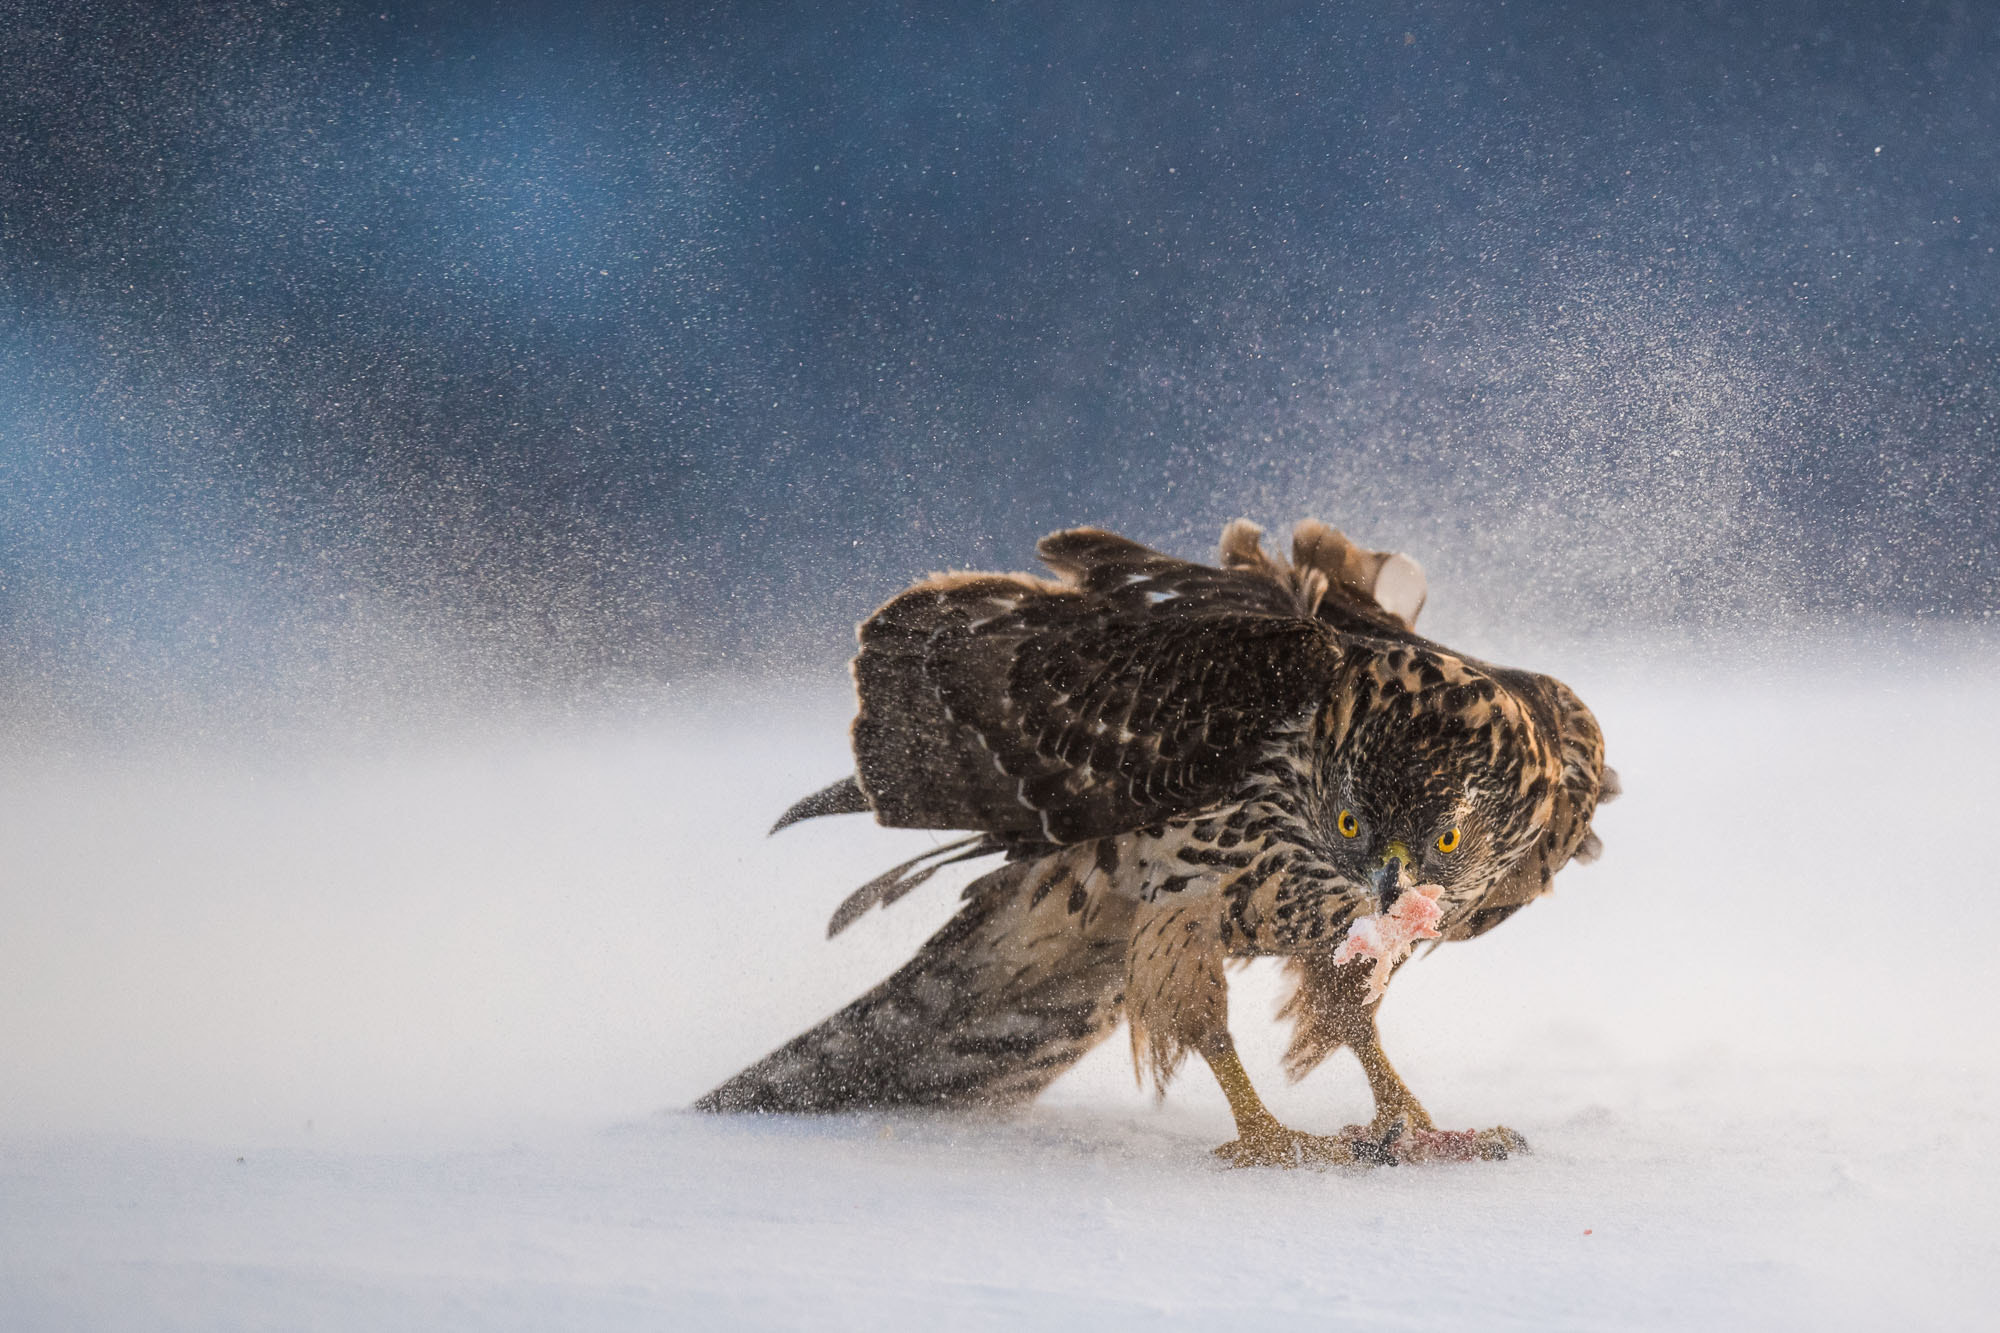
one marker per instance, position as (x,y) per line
(589,341)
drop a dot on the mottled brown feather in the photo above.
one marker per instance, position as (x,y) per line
(1136,688)
(1150,742)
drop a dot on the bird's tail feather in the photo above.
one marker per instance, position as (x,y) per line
(1013,991)
(844,797)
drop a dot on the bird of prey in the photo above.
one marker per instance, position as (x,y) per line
(1181,764)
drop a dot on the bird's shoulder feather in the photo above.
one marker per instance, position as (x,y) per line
(1132,687)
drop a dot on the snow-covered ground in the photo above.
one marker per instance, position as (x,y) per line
(385,1034)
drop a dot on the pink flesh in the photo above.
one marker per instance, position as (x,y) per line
(1387,936)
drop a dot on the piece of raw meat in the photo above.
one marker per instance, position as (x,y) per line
(1387,936)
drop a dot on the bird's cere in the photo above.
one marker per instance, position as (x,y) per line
(1388,936)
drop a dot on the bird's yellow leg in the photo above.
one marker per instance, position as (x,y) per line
(1252,1116)
(1393,1099)
(1398,1112)
(1343,1016)
(1260,1139)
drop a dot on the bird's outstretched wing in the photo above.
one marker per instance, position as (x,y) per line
(1130,688)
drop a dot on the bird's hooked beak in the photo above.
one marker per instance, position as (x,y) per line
(1391,876)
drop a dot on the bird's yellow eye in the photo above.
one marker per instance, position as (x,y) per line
(1350,827)
(1449,842)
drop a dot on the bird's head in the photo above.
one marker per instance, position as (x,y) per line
(1430,772)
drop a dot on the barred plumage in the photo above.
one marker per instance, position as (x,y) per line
(1182,764)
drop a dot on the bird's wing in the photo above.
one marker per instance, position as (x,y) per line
(1131,688)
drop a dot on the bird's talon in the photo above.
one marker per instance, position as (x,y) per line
(1398,1143)
(1370,1153)
(1289,1148)
(1381,1150)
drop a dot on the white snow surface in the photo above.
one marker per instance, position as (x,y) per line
(392,1033)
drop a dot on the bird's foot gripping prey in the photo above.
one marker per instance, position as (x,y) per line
(1182,764)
